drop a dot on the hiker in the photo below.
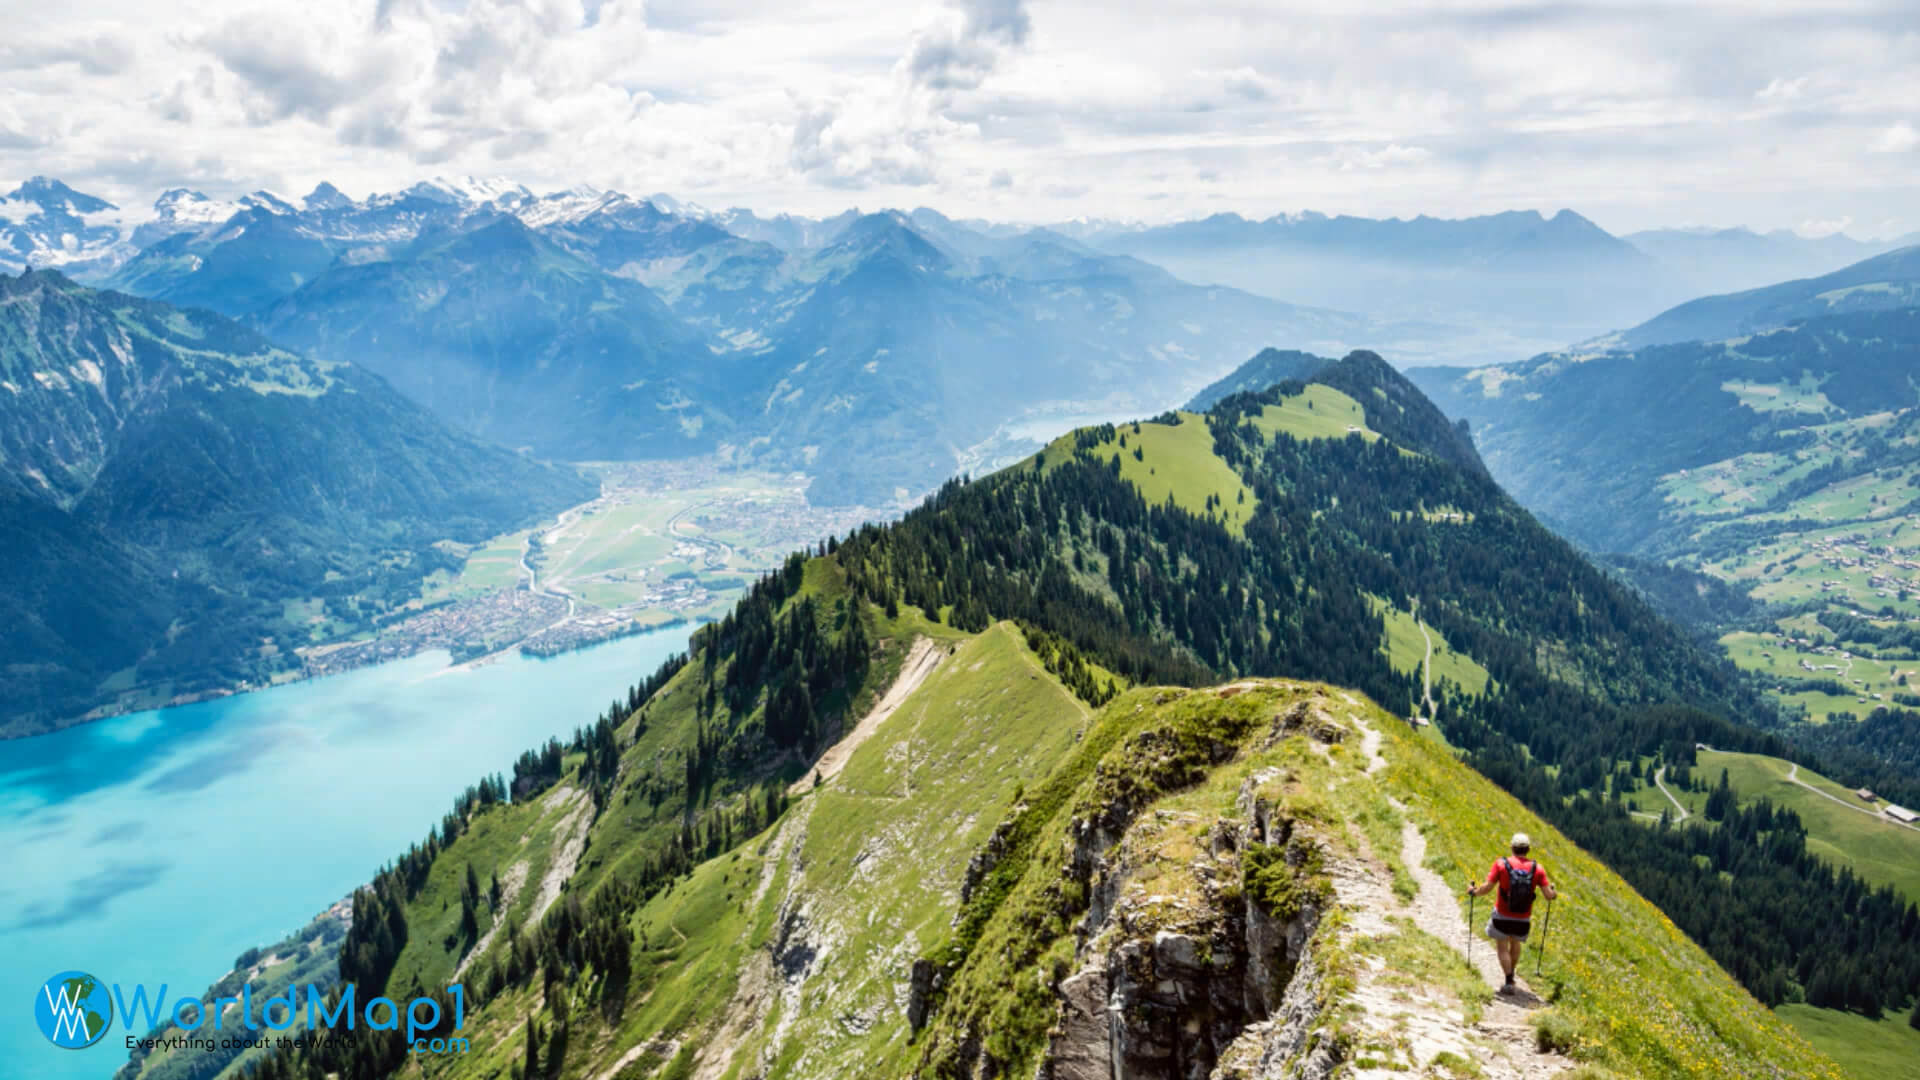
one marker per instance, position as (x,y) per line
(1519,879)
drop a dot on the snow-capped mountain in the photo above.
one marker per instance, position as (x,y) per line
(45,223)
(179,210)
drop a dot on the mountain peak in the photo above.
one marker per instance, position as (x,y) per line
(1569,219)
(268,201)
(50,194)
(504,235)
(173,197)
(325,197)
(888,230)
(468,190)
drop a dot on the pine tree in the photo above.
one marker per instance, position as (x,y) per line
(469,921)
(533,1050)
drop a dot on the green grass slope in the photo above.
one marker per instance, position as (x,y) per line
(1171,460)
(1883,1049)
(1882,851)
(793,947)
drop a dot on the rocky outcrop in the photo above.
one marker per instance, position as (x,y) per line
(922,984)
(1202,969)
(983,861)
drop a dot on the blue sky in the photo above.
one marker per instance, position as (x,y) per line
(1800,115)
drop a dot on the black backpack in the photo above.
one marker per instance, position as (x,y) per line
(1518,891)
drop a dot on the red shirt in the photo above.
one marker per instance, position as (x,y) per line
(1497,876)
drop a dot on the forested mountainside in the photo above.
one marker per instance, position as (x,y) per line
(1763,488)
(911,912)
(1624,450)
(177,489)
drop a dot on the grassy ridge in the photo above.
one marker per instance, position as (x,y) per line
(849,887)
(1645,999)
(1635,993)
(1174,461)
(1319,412)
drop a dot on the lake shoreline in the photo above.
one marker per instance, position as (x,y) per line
(156,847)
(303,675)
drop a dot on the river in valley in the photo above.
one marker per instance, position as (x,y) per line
(155,847)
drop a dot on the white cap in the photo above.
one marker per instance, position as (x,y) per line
(1520,841)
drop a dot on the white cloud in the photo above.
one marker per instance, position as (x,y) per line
(1390,156)
(1817,229)
(1901,138)
(1636,112)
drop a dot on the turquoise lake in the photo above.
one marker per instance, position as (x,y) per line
(155,847)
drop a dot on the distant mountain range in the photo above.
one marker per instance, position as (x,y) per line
(1722,260)
(183,501)
(1510,240)
(44,222)
(1537,282)
(879,352)
(872,351)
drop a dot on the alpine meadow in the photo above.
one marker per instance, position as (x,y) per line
(977,540)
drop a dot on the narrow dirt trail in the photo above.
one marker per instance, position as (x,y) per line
(1425,1020)
(922,658)
(510,886)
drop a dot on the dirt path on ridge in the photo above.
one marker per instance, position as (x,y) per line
(1502,1039)
(922,658)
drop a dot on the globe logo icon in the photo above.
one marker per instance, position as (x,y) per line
(73,1010)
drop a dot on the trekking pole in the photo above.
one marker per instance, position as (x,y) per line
(1470,900)
(1540,952)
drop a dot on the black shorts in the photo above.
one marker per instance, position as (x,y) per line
(1501,929)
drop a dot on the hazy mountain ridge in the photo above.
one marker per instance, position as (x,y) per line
(1883,282)
(1511,237)
(507,335)
(1739,258)
(174,480)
